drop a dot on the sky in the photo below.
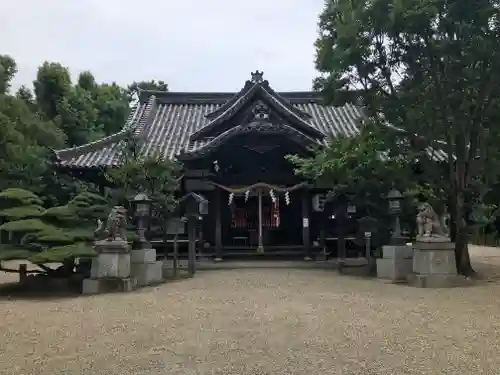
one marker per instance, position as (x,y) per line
(193,45)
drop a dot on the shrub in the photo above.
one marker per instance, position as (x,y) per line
(54,235)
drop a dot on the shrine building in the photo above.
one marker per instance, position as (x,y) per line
(232,147)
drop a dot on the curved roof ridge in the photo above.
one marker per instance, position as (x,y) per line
(146,117)
(285,102)
(231,101)
(213,143)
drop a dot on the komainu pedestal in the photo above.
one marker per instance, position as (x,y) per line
(110,270)
(434,264)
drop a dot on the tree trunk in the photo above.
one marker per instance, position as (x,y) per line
(464,266)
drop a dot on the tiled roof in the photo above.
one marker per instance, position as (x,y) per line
(165,122)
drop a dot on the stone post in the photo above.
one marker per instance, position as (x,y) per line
(434,263)
(396,262)
(110,271)
(145,269)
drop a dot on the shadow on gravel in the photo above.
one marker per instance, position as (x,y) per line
(17,291)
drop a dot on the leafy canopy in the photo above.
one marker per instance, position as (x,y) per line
(51,235)
(428,67)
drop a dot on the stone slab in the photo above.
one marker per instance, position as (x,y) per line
(106,246)
(434,262)
(437,281)
(143,256)
(433,239)
(397,252)
(394,269)
(107,285)
(434,245)
(107,265)
(147,273)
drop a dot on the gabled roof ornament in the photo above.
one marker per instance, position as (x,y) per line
(261,111)
(257,77)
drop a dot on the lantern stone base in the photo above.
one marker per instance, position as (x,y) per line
(434,264)
(396,263)
(144,267)
(107,285)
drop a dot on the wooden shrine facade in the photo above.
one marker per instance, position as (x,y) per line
(233,147)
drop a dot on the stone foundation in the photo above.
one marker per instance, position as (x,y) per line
(436,281)
(396,263)
(144,267)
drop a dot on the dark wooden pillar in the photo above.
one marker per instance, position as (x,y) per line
(218,225)
(306,240)
(322,236)
(341,216)
(191,227)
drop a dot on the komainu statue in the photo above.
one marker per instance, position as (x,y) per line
(115,229)
(429,223)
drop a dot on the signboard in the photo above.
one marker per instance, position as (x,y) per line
(368,234)
(305,222)
(176,226)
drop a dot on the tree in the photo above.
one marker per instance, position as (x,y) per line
(52,84)
(153,175)
(135,87)
(8,69)
(112,105)
(427,67)
(358,167)
(24,142)
(86,81)
(77,117)
(55,235)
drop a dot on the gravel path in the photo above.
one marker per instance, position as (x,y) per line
(271,321)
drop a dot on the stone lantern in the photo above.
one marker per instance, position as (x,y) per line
(394,198)
(142,204)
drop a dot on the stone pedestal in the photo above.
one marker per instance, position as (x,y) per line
(144,267)
(110,271)
(434,264)
(396,262)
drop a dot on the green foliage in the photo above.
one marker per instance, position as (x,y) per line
(53,115)
(59,253)
(8,69)
(58,234)
(153,175)
(135,87)
(156,177)
(112,104)
(77,117)
(16,196)
(358,167)
(11,252)
(24,226)
(18,213)
(428,68)
(52,85)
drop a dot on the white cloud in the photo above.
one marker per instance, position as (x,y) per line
(194,45)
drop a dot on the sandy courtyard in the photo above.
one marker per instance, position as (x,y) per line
(269,321)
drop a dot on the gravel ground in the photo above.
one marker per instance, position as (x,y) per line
(271,321)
